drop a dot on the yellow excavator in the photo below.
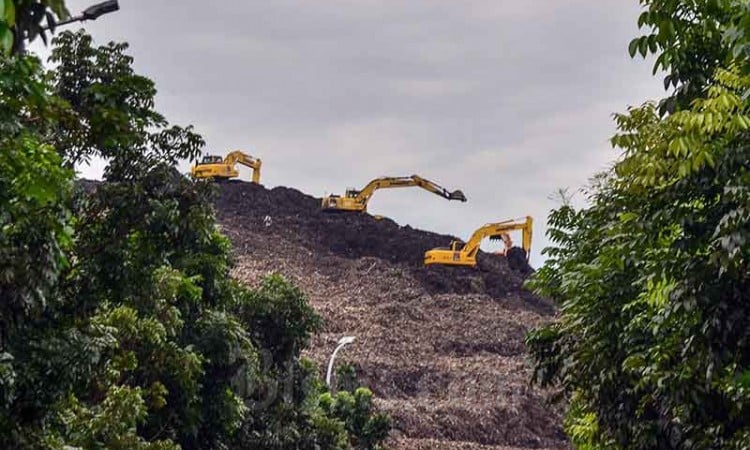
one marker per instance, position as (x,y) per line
(214,167)
(465,254)
(356,200)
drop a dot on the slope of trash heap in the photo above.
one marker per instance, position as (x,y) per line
(441,347)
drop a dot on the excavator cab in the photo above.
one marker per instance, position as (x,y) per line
(452,255)
(331,202)
(211,159)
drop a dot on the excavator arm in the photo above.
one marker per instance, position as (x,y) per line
(524,226)
(239,157)
(500,230)
(356,200)
(438,190)
(363,196)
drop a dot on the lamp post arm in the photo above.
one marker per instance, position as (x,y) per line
(65,22)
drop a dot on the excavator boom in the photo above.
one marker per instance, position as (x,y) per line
(466,255)
(239,157)
(356,200)
(213,167)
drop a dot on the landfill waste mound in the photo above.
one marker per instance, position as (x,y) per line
(441,347)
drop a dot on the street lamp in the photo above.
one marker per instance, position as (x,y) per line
(343,342)
(93,12)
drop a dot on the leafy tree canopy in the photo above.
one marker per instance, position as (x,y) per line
(24,20)
(119,324)
(653,344)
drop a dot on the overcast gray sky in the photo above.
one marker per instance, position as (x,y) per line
(507,100)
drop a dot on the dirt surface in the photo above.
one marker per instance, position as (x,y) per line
(441,347)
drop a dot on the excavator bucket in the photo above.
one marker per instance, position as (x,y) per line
(457,195)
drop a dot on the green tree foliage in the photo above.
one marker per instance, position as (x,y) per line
(346,378)
(653,344)
(341,420)
(22,20)
(120,325)
(689,40)
(34,228)
(112,111)
(352,404)
(32,185)
(354,409)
